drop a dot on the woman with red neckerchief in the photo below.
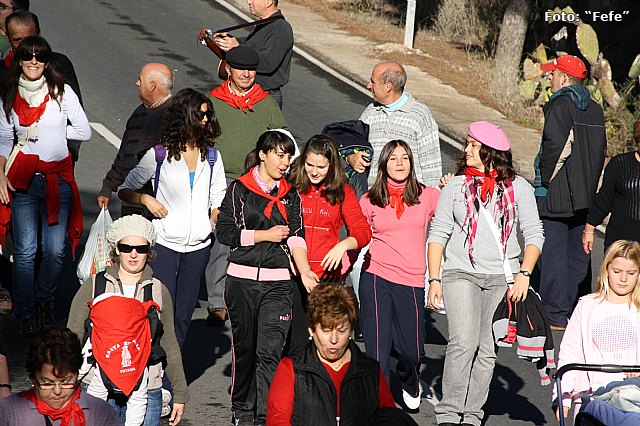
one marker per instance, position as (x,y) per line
(53,360)
(474,226)
(39,186)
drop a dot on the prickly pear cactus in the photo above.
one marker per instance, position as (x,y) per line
(587,41)
(634,71)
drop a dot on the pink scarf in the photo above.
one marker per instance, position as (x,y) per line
(504,211)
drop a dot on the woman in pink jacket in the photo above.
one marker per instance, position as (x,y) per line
(328,203)
(399,209)
(604,326)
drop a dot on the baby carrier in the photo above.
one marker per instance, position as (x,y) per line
(131,343)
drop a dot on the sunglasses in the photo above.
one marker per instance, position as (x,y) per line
(200,115)
(126,248)
(41,57)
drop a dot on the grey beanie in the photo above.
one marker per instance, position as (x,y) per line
(133,225)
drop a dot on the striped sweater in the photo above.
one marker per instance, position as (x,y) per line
(412,123)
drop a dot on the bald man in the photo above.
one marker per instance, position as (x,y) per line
(395,114)
(143,131)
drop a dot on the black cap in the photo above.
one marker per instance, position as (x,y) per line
(242,58)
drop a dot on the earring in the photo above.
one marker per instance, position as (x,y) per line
(310,337)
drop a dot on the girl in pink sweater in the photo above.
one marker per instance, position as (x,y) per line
(391,290)
(604,326)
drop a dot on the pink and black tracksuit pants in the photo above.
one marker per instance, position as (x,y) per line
(392,315)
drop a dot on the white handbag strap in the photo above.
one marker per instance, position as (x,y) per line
(508,274)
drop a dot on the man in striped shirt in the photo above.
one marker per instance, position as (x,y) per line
(395,114)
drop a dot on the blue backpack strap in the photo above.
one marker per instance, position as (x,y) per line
(161,153)
(212,157)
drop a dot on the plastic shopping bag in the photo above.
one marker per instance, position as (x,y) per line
(96,252)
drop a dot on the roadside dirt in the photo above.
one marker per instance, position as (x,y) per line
(454,65)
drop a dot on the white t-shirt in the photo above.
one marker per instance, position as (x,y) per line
(615,335)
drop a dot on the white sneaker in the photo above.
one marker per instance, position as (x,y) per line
(429,394)
(412,402)
(166,400)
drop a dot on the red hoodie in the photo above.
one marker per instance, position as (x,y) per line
(322,223)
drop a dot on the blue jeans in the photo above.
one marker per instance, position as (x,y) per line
(29,216)
(154,407)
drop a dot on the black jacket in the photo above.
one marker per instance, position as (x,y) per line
(243,209)
(572,153)
(315,403)
(274,44)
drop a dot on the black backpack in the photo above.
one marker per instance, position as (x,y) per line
(157,355)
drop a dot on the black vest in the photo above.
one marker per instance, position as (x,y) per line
(315,401)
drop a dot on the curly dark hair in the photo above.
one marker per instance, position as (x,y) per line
(57,346)
(182,125)
(500,161)
(330,305)
(55,81)
(333,189)
(379,194)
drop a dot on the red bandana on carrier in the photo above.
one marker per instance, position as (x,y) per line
(121,338)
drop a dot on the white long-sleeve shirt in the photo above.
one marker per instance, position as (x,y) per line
(186,227)
(53,129)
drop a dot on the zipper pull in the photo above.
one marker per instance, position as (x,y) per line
(338,421)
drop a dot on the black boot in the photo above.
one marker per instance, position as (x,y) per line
(45,314)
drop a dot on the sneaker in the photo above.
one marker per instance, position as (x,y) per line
(217,317)
(412,402)
(6,305)
(242,419)
(429,393)
(166,403)
(28,327)
(357,333)
(45,314)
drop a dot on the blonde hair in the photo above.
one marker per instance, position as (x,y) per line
(626,249)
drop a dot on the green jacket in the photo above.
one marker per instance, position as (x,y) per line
(240,131)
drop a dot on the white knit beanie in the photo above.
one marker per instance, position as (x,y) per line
(133,225)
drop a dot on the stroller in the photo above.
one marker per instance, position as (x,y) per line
(585,417)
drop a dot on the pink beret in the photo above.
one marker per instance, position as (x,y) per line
(489,134)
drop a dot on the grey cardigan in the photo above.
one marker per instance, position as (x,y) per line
(446,229)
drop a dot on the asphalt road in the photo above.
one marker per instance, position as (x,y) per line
(108,42)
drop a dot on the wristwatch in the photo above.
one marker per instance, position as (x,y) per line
(432,279)
(525,273)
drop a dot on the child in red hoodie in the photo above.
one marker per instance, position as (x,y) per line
(328,203)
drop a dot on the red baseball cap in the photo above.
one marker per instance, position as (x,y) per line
(568,64)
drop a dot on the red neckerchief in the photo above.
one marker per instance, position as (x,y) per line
(71,414)
(246,102)
(121,339)
(27,114)
(20,176)
(9,58)
(395,199)
(488,183)
(283,187)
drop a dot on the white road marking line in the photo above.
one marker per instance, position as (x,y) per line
(107,134)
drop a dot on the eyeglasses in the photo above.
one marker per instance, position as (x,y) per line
(126,248)
(40,57)
(200,115)
(63,385)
